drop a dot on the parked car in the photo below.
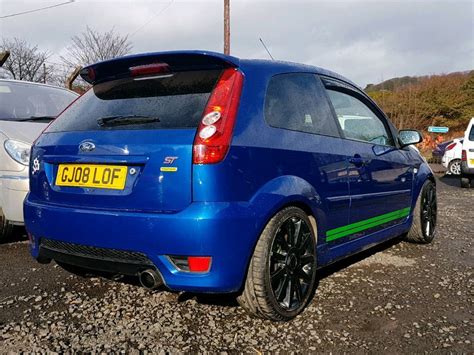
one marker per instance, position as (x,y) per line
(25,110)
(439,151)
(467,160)
(208,173)
(452,157)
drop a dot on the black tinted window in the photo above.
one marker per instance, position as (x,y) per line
(357,120)
(471,134)
(19,101)
(297,102)
(176,101)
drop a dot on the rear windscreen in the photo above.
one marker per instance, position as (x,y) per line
(168,101)
(20,101)
(471,134)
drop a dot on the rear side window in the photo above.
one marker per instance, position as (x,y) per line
(297,102)
(357,120)
(164,102)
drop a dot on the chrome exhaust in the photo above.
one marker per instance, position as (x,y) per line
(150,279)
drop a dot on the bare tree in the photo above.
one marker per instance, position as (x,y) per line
(26,61)
(92,46)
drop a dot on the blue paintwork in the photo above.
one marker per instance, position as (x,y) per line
(220,210)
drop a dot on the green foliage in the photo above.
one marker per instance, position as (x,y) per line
(446,100)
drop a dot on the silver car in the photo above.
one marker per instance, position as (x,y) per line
(25,111)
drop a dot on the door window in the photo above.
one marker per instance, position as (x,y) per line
(471,134)
(297,102)
(357,120)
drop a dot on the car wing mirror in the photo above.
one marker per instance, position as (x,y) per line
(409,136)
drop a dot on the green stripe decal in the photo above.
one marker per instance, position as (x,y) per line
(353,228)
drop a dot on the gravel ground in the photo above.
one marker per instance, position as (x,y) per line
(398,298)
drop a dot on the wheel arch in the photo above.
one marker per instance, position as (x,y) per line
(280,193)
(424,174)
(285,191)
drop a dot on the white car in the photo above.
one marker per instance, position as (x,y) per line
(25,111)
(467,156)
(452,157)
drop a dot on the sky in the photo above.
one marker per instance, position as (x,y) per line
(366,41)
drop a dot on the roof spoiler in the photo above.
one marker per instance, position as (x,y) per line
(177,61)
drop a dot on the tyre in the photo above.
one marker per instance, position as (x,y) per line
(424,216)
(465,182)
(6,228)
(282,272)
(454,167)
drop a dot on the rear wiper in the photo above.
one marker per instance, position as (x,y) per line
(126,120)
(36,118)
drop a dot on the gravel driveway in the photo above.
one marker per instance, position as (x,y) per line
(398,298)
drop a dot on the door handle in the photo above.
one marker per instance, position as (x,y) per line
(358,161)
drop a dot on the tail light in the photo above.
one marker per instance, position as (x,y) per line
(450,146)
(199,263)
(464,155)
(214,133)
(192,263)
(148,69)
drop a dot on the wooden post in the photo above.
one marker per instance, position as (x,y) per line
(3,57)
(227,27)
(72,77)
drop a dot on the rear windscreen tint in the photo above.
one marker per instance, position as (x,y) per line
(176,100)
(471,134)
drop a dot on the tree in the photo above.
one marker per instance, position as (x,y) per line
(26,61)
(92,46)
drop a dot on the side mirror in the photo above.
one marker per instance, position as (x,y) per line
(409,137)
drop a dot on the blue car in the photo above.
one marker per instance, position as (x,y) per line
(207,173)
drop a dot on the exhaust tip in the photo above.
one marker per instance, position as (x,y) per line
(150,279)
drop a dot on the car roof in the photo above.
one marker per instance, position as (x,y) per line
(34,83)
(286,66)
(214,57)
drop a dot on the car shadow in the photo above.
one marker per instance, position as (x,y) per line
(450,180)
(354,259)
(229,300)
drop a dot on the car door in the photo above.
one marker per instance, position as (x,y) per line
(380,174)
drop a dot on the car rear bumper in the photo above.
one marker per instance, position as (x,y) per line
(127,242)
(13,190)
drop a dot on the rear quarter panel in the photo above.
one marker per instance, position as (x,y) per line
(270,168)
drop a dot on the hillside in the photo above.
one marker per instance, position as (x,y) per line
(419,102)
(393,83)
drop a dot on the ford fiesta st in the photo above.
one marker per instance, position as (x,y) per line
(208,173)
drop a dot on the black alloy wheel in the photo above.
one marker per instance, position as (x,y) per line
(291,262)
(429,209)
(425,215)
(281,278)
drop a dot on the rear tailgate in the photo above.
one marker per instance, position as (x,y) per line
(152,183)
(137,132)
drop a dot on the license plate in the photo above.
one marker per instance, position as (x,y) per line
(92,175)
(472,162)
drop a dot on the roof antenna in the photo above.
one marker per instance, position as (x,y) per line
(264,46)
